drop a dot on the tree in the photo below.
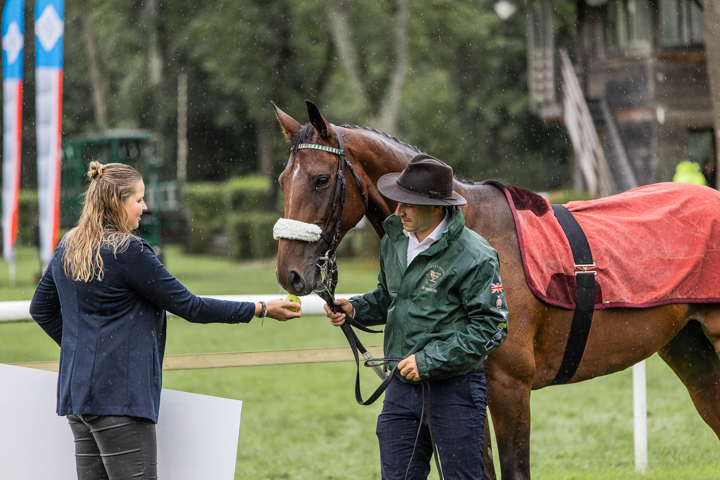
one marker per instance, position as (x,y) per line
(444,75)
(712,50)
(467,100)
(98,87)
(261,52)
(382,113)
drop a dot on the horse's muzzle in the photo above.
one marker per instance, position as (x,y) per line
(296,284)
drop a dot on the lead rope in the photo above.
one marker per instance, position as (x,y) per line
(326,291)
(436,450)
(330,279)
(378,364)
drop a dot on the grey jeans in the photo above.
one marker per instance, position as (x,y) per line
(112,447)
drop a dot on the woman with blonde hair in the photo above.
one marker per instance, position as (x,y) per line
(103,299)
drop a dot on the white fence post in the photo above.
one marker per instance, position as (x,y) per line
(640,417)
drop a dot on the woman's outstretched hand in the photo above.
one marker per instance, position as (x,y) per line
(280,310)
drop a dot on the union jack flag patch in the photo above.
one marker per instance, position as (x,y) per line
(496,287)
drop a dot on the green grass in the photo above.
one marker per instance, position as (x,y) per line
(302,422)
(27,273)
(585,431)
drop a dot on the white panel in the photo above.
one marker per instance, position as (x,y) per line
(197,434)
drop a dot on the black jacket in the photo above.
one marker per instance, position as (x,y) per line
(112,332)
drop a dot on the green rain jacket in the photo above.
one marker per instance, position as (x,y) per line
(447,307)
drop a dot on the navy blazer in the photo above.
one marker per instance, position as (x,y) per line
(112,332)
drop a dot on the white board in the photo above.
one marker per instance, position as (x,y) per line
(197,434)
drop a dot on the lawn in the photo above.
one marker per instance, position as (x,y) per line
(301,421)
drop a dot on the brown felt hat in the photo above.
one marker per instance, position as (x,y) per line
(425,181)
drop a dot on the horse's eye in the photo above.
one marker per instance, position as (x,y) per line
(322,181)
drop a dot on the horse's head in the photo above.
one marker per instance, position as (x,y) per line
(318,188)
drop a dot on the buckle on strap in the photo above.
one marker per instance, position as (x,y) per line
(583,269)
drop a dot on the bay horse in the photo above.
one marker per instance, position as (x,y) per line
(686,336)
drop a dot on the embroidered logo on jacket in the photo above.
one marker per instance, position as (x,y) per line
(432,275)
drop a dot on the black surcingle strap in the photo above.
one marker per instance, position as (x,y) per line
(585,303)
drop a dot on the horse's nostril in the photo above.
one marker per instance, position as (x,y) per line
(295,281)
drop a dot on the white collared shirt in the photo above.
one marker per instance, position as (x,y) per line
(415,247)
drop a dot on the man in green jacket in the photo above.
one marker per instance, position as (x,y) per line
(440,296)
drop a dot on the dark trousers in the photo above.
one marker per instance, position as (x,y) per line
(457,416)
(111,447)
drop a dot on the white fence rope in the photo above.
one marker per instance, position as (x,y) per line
(311,304)
(16,310)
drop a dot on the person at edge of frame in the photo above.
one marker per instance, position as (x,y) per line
(103,299)
(440,295)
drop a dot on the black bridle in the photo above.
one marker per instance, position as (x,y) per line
(340,190)
(326,291)
(329,272)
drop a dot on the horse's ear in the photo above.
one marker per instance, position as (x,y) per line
(289,125)
(317,120)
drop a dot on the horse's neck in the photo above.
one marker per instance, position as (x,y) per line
(378,156)
(488,213)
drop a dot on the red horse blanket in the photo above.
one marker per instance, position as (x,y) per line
(653,245)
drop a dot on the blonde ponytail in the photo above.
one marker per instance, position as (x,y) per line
(103,221)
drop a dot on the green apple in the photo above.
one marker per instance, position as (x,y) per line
(292,298)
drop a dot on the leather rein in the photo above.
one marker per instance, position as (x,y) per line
(326,291)
(329,271)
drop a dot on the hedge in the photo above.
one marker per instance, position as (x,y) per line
(251,236)
(206,209)
(249,193)
(234,210)
(228,208)
(28,219)
(205,202)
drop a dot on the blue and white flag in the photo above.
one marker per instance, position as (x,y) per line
(49,29)
(13,43)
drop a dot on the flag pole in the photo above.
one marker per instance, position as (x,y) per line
(13,45)
(49,33)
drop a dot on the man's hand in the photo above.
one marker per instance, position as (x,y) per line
(408,368)
(338,319)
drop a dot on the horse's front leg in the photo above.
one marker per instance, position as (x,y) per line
(509,384)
